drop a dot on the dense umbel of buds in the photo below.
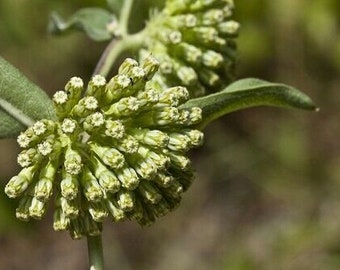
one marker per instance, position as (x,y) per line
(118,150)
(195,43)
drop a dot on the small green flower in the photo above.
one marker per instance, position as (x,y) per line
(195,43)
(118,150)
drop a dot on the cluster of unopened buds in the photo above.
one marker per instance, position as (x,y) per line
(194,41)
(117,149)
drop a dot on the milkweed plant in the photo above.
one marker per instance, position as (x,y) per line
(117,146)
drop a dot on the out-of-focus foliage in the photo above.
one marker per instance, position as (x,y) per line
(267,192)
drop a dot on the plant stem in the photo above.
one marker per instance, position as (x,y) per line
(124,17)
(117,46)
(114,49)
(95,251)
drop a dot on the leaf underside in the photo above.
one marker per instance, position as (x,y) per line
(93,21)
(21,101)
(247,93)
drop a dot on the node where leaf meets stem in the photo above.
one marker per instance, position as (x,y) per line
(95,251)
(117,46)
(114,50)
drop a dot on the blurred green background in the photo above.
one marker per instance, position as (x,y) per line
(267,191)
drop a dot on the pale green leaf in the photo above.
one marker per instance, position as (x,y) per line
(248,93)
(115,5)
(99,24)
(21,101)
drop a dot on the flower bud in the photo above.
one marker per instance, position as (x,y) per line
(96,86)
(127,144)
(212,59)
(27,157)
(91,188)
(127,65)
(22,212)
(37,208)
(106,178)
(72,162)
(138,211)
(116,213)
(27,138)
(124,107)
(116,88)
(178,160)
(155,138)
(195,136)
(46,147)
(163,180)
(110,156)
(114,129)
(179,142)
(126,200)
(85,106)
(98,211)
(187,36)
(93,122)
(70,208)
(128,177)
(43,127)
(149,192)
(43,187)
(69,186)
(117,150)
(19,183)
(150,66)
(60,221)
(174,190)
(161,208)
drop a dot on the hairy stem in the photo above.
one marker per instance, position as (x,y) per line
(114,49)
(124,17)
(95,251)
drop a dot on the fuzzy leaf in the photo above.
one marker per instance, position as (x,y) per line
(21,101)
(247,93)
(99,24)
(115,5)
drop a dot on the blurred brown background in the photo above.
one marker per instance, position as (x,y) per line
(267,191)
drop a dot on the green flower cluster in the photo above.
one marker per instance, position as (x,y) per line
(118,149)
(195,42)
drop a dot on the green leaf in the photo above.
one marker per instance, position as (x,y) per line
(21,101)
(115,5)
(99,24)
(248,93)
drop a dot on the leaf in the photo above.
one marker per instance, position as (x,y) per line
(21,101)
(99,24)
(247,93)
(115,5)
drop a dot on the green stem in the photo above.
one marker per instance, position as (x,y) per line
(124,17)
(114,49)
(117,46)
(95,251)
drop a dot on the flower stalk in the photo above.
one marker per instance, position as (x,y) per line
(95,251)
(125,16)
